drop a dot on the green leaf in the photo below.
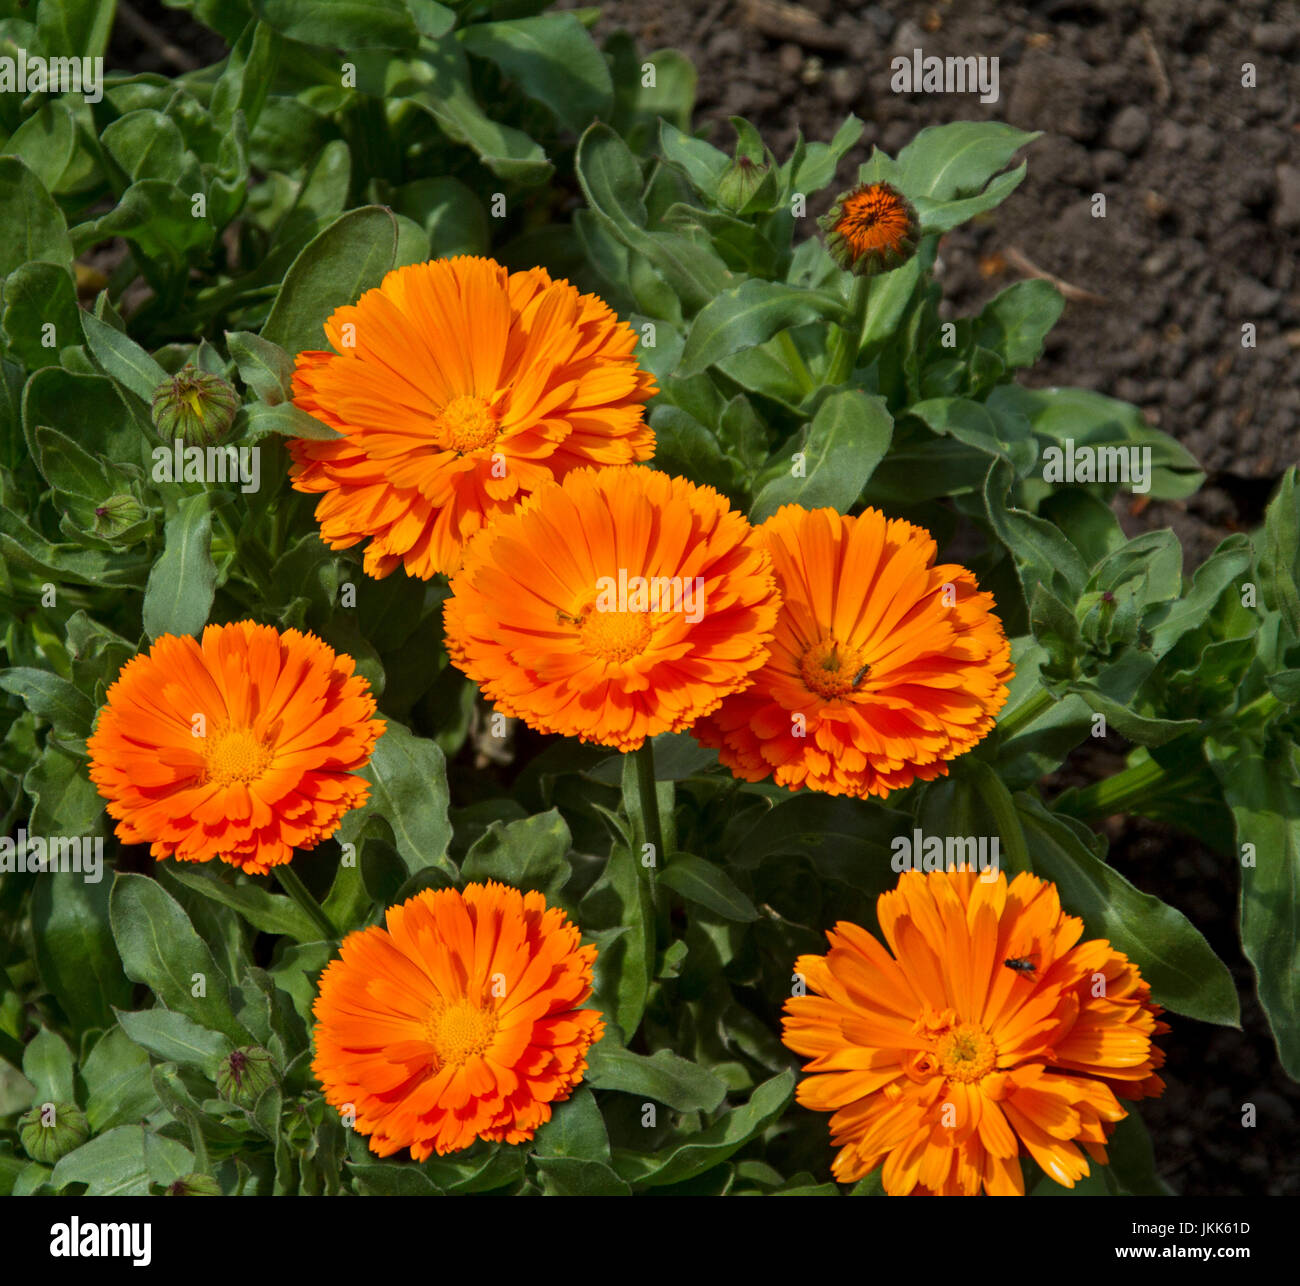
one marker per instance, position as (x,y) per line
(1084,418)
(693,1154)
(178,598)
(1041,551)
(342,24)
(64,802)
(528,854)
(265,367)
(111,1165)
(159,947)
(972,804)
(148,145)
(247,77)
(265,911)
(450,213)
(48,1064)
(576,1129)
(578,1177)
(749,315)
(104,427)
(49,697)
(1265,806)
(31,224)
(408,778)
(820,161)
(672,93)
(74,947)
(448,95)
(947,161)
(699,161)
(847,439)
(553,59)
(663,1076)
(74,28)
(943,216)
(610,178)
(619,903)
(1279,562)
(392,1181)
(348,258)
(158,217)
(117,1082)
(1015,322)
(1132,1162)
(74,472)
(175,1039)
(971,423)
(121,358)
(37,296)
(1185,974)
(844,839)
(288,420)
(710,886)
(498,1166)
(46,142)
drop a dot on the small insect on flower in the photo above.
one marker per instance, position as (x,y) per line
(1020,965)
(871,229)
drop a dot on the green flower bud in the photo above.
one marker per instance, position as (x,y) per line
(194,406)
(740,183)
(193,1185)
(51,1130)
(245,1075)
(118,515)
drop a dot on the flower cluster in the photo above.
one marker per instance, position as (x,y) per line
(490,427)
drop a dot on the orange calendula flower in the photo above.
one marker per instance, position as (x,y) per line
(884,665)
(244,747)
(615,606)
(871,229)
(460,387)
(460,1021)
(989,1033)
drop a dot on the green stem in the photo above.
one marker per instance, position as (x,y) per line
(1259,709)
(649,797)
(794,359)
(296,889)
(848,339)
(1025,713)
(654,833)
(1127,791)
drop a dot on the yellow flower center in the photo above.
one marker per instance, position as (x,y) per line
(830,669)
(966,1053)
(466,424)
(616,636)
(235,754)
(459,1031)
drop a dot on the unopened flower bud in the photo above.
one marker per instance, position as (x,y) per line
(871,229)
(51,1130)
(194,406)
(193,1185)
(116,515)
(740,182)
(245,1075)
